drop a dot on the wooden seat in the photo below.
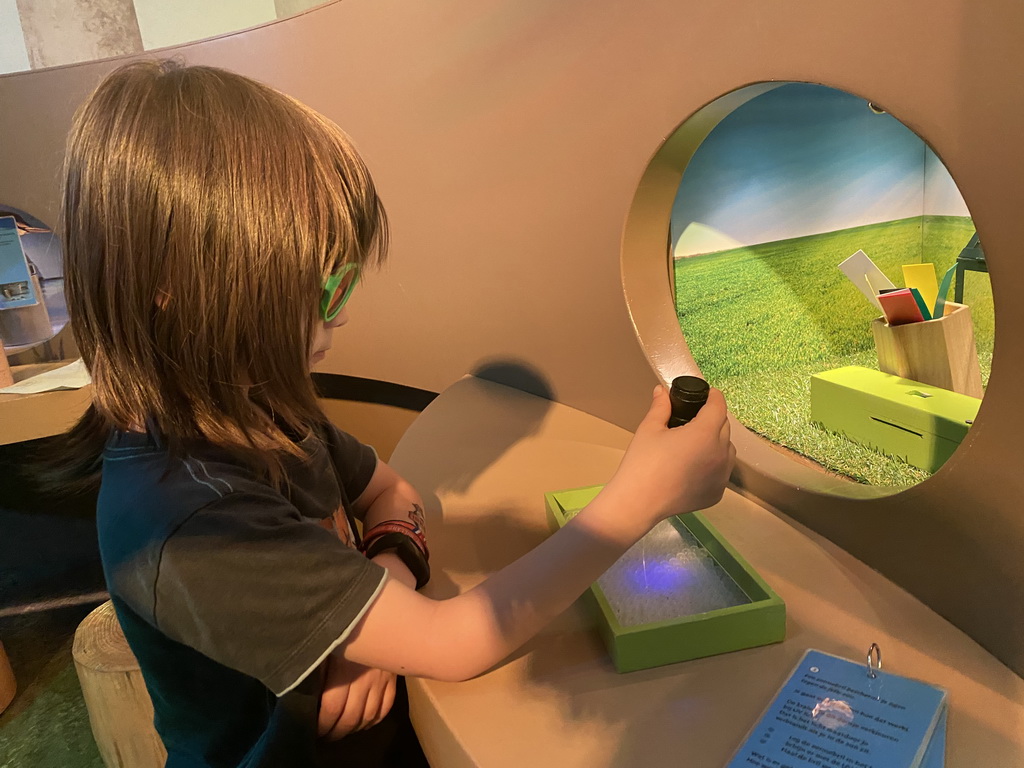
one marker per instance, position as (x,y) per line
(120,710)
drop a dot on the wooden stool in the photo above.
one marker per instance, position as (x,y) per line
(8,686)
(120,710)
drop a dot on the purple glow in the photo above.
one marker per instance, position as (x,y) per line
(659,574)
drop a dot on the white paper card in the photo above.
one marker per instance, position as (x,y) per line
(868,278)
(71,376)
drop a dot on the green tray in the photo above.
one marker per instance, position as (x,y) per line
(759,622)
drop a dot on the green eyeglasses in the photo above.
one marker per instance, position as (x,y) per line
(337,290)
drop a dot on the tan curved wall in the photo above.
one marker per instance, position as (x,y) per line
(508,139)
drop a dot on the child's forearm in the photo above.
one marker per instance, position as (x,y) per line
(464,636)
(390,497)
(398,503)
(515,603)
(395,500)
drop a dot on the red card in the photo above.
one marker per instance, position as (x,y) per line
(900,307)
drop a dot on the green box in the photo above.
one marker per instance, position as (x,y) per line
(919,423)
(759,622)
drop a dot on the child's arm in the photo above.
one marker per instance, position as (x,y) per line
(356,696)
(389,497)
(664,472)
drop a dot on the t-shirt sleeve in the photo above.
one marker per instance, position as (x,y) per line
(250,584)
(354,461)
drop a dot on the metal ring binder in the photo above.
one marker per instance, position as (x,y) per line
(874,652)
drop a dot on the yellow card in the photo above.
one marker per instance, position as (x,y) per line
(922,277)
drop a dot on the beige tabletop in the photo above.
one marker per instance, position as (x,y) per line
(27,417)
(483,455)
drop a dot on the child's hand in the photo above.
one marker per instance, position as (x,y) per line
(666,471)
(354,697)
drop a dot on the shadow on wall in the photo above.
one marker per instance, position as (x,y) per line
(471,454)
(515,374)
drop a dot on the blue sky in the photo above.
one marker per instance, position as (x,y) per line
(804,159)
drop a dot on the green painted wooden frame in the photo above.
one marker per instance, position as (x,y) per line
(760,622)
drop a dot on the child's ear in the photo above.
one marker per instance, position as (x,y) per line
(162,297)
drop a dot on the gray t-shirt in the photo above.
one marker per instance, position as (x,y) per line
(231,593)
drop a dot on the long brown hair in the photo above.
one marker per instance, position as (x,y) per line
(201,213)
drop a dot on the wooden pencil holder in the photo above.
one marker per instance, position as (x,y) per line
(939,352)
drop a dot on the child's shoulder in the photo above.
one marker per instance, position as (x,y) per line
(140,471)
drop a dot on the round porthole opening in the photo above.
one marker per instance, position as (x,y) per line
(825,273)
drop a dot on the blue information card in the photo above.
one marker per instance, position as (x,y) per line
(16,288)
(832,713)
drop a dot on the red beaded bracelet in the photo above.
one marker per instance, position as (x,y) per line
(405,527)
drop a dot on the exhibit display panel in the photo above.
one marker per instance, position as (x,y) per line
(512,143)
(33,310)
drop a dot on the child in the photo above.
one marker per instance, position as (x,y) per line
(214,229)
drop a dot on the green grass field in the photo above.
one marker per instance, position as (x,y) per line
(761,320)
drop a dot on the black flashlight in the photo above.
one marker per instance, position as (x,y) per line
(688,394)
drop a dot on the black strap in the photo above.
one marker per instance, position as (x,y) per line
(408,552)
